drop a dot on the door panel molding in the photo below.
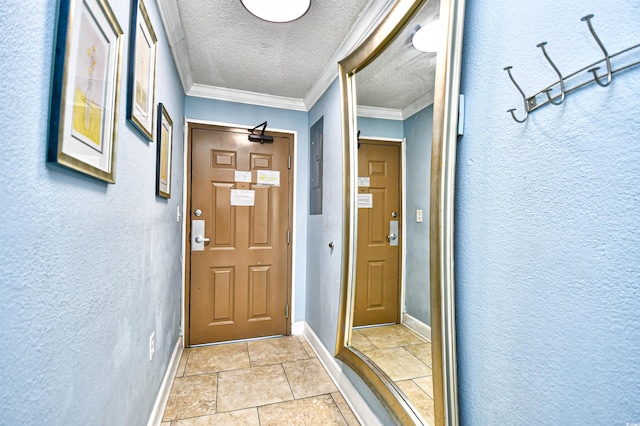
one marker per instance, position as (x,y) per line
(224,243)
(379,266)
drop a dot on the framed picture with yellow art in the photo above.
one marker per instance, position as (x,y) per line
(141,76)
(83,113)
(165,145)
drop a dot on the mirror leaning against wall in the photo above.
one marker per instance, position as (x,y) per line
(399,131)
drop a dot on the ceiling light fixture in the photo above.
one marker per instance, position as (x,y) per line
(277,10)
(426,38)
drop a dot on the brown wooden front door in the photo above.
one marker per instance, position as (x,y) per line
(240,282)
(377,291)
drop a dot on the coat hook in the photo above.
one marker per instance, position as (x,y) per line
(562,91)
(524,98)
(606,54)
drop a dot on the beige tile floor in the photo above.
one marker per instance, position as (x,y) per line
(276,381)
(405,357)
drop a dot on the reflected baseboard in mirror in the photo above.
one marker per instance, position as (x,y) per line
(405,357)
(383,61)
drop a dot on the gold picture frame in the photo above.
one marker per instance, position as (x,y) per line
(83,113)
(141,74)
(165,146)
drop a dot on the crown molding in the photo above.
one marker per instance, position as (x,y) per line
(420,104)
(244,97)
(377,112)
(371,15)
(170,16)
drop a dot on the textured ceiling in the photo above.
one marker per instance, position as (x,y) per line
(401,76)
(229,48)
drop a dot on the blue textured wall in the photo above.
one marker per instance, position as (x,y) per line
(281,119)
(380,128)
(323,268)
(418,133)
(88,270)
(548,222)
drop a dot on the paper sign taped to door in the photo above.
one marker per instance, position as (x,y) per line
(365,201)
(243,176)
(364,181)
(269,177)
(243,197)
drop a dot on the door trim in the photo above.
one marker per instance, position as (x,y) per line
(403,206)
(186,208)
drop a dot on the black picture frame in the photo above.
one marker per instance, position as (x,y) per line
(164,148)
(141,72)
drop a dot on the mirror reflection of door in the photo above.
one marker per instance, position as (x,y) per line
(401,90)
(378,274)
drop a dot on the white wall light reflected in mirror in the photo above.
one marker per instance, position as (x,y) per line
(425,39)
(277,10)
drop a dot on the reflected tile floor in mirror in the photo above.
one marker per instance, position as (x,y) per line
(277,381)
(405,357)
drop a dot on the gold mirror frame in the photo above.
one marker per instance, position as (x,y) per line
(445,126)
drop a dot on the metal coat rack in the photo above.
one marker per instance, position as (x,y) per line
(531,103)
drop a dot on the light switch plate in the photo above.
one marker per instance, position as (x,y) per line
(419,216)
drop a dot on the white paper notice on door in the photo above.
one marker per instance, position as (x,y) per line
(365,201)
(269,177)
(243,176)
(243,197)
(364,181)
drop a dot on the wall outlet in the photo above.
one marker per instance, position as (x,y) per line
(419,216)
(178,216)
(152,345)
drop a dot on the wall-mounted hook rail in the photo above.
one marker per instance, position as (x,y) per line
(562,89)
(570,82)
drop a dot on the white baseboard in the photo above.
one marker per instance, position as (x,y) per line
(163,394)
(358,405)
(297,328)
(416,325)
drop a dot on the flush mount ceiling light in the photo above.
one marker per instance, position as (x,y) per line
(277,10)
(426,38)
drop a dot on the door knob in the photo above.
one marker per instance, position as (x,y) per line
(200,239)
(389,237)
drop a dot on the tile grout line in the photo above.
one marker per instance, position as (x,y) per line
(286,376)
(217,393)
(339,409)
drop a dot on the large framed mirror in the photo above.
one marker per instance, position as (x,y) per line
(400,122)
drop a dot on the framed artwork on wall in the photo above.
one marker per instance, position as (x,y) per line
(83,113)
(141,75)
(165,145)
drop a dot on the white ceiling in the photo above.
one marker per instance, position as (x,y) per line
(401,78)
(224,52)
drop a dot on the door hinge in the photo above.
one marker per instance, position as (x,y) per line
(288,237)
(286,311)
(289,162)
